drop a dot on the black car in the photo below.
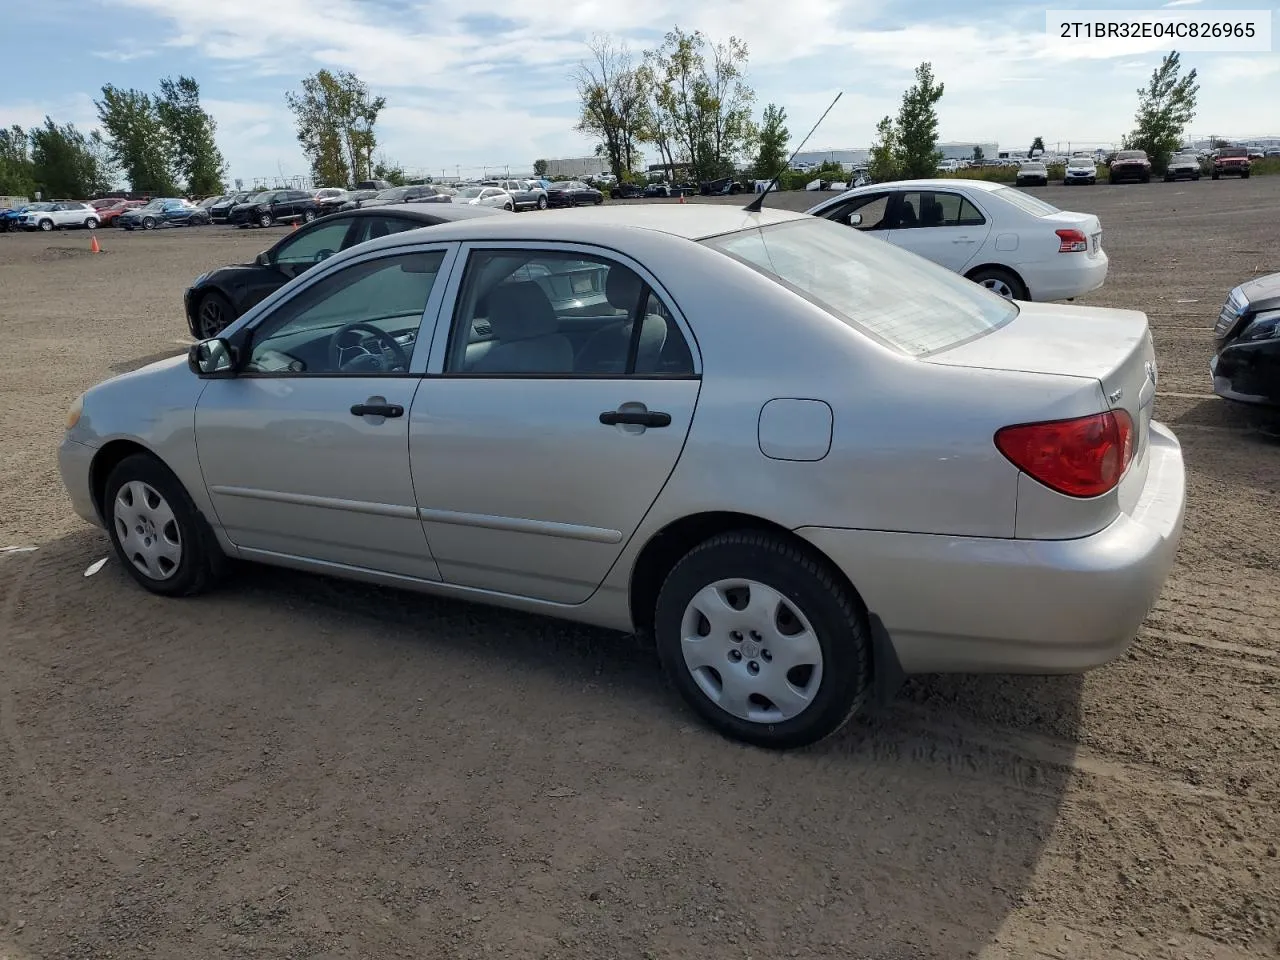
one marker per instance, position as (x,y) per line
(626,191)
(216,299)
(275,206)
(419,194)
(661,188)
(1246,360)
(1184,166)
(721,187)
(221,211)
(572,193)
(357,199)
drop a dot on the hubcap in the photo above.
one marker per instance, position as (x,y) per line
(751,651)
(147,530)
(998,286)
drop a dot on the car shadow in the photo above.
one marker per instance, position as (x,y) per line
(519,779)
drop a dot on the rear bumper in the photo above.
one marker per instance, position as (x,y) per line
(978,605)
(1070,275)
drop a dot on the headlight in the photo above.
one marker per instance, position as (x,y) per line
(1265,326)
(73,414)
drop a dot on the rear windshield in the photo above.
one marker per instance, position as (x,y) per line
(1025,202)
(896,297)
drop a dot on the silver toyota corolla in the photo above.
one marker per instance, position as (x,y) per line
(803,461)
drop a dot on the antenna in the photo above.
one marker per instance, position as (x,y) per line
(755,205)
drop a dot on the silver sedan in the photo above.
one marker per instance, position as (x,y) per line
(802,461)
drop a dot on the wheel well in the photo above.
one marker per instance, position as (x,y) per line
(673,541)
(1002,268)
(104,462)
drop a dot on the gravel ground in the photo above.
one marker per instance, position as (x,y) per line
(298,768)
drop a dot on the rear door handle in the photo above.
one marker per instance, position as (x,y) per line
(638,418)
(377,410)
(963,240)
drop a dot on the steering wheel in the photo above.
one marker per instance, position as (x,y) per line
(388,355)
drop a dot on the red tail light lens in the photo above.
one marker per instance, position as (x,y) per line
(1084,457)
(1072,241)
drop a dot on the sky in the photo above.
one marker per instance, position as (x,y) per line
(474,83)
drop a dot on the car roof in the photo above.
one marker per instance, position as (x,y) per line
(597,224)
(429,214)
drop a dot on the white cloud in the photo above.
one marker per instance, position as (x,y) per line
(77,108)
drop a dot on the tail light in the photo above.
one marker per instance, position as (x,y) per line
(1072,241)
(1082,457)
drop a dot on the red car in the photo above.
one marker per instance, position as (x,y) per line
(1130,165)
(111,208)
(1231,162)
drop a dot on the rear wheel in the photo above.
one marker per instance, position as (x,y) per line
(46,225)
(1000,281)
(308,216)
(157,531)
(542,203)
(763,640)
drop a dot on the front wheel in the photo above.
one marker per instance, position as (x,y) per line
(542,203)
(1000,282)
(148,223)
(264,220)
(598,200)
(46,225)
(91,223)
(213,315)
(763,640)
(308,216)
(509,207)
(157,531)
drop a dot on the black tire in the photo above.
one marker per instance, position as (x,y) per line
(598,200)
(1245,175)
(148,223)
(46,226)
(308,216)
(835,613)
(265,220)
(201,560)
(212,306)
(509,207)
(91,223)
(996,274)
(542,203)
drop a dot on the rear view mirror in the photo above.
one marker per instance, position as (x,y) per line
(212,358)
(855,219)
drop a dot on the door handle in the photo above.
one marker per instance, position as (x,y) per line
(638,418)
(963,240)
(377,410)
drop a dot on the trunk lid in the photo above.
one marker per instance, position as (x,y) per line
(1087,223)
(1112,347)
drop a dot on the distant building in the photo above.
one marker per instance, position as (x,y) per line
(850,157)
(577,167)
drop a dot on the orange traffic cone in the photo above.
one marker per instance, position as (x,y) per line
(682,200)
(93,246)
(295,226)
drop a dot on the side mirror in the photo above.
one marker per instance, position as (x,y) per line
(855,219)
(262,259)
(212,358)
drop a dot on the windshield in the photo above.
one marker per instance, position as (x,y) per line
(1233,152)
(1034,166)
(1185,158)
(395,193)
(1025,202)
(903,300)
(468,192)
(1131,155)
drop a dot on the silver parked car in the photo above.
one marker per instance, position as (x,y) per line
(801,460)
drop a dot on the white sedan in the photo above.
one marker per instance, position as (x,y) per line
(1008,241)
(485,197)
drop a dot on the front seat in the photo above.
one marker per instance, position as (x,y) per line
(606,351)
(526,333)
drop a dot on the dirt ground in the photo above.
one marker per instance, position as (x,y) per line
(300,768)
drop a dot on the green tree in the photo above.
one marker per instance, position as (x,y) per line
(700,107)
(1165,106)
(17,175)
(389,171)
(612,96)
(882,163)
(917,127)
(336,116)
(140,144)
(1036,144)
(66,163)
(978,154)
(771,149)
(190,128)
(540,168)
